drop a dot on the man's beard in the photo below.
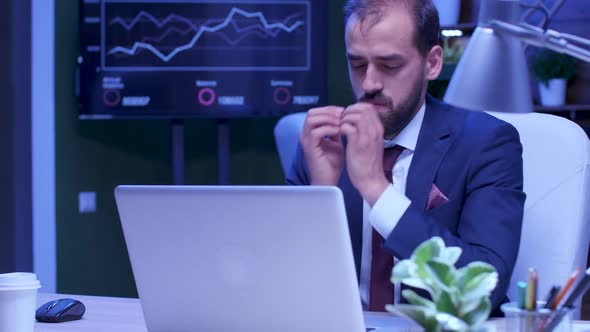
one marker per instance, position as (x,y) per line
(398,116)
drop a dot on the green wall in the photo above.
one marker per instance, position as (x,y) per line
(98,155)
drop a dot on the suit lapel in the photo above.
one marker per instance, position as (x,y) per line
(434,141)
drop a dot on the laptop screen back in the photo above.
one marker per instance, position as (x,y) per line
(231,258)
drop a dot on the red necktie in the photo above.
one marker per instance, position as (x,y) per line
(381,288)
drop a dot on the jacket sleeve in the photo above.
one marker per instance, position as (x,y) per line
(298,174)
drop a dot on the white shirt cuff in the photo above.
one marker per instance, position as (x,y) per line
(388,210)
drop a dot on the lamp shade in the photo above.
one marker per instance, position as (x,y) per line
(492,74)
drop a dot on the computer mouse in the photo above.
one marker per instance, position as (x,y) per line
(60,310)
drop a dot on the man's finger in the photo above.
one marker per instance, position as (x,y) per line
(326,131)
(365,121)
(350,131)
(333,110)
(352,118)
(319,120)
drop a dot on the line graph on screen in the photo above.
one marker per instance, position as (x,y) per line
(199,36)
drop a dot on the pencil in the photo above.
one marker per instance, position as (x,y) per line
(521,287)
(579,290)
(551,296)
(531,290)
(565,288)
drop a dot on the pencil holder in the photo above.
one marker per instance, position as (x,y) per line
(522,320)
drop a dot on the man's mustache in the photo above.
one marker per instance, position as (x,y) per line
(376,98)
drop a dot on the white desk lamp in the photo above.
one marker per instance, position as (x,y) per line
(492,74)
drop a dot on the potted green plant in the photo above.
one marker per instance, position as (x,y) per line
(452,52)
(552,70)
(451,55)
(459,298)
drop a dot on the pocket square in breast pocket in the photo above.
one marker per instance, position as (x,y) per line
(436,198)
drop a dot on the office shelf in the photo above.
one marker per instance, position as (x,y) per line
(467,27)
(570,109)
(563,108)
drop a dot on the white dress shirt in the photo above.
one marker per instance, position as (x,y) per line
(392,204)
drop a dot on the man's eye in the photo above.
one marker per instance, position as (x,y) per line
(359,65)
(392,67)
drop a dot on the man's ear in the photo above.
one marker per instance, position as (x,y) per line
(434,62)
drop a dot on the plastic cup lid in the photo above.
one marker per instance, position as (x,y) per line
(19,281)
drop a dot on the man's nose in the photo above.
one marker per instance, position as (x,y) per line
(372,83)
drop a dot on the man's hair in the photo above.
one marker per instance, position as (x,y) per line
(425,14)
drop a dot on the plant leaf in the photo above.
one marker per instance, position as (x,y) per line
(442,274)
(446,303)
(475,268)
(418,283)
(415,299)
(480,286)
(403,269)
(426,278)
(435,277)
(406,272)
(479,314)
(427,250)
(468,305)
(451,323)
(470,271)
(450,255)
(425,317)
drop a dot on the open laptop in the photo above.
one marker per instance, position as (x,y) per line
(241,258)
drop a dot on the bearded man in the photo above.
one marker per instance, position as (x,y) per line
(409,166)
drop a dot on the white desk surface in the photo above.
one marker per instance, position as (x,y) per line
(113,314)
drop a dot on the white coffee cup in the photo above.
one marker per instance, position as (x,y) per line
(18,301)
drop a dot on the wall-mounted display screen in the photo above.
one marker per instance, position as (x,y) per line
(200,58)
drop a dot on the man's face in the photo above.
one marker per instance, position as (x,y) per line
(385,67)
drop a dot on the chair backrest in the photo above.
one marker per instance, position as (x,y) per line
(287,132)
(556,230)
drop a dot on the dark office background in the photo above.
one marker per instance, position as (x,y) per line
(16,251)
(98,155)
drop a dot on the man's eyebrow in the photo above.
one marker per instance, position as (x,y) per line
(354,57)
(390,57)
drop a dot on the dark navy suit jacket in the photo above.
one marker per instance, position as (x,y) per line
(476,162)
